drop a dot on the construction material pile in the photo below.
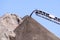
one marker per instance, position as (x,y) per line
(13,27)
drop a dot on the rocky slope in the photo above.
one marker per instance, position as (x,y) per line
(30,29)
(8,23)
(12,27)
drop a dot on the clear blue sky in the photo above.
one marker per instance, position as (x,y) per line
(25,7)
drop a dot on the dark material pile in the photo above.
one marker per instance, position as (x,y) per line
(30,29)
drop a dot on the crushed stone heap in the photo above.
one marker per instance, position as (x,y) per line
(8,23)
(12,27)
(30,29)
